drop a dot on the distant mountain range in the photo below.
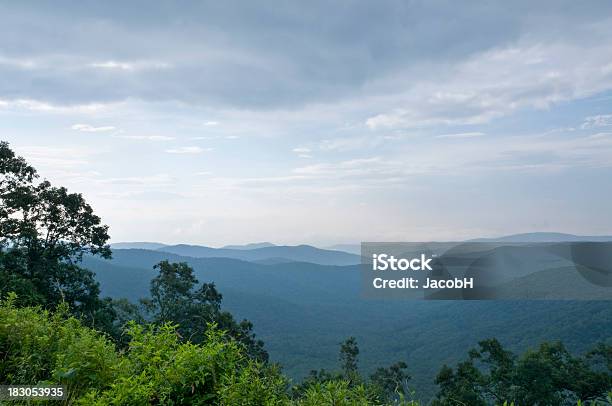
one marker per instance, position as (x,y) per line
(143,245)
(277,253)
(327,255)
(263,252)
(546,237)
(350,248)
(137,245)
(514,238)
(250,246)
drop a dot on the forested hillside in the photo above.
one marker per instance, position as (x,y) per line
(302,311)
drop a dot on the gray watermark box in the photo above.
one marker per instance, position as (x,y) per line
(486,270)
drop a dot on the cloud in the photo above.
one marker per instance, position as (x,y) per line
(352,167)
(245,59)
(45,107)
(19,63)
(144,195)
(354,143)
(55,158)
(145,137)
(378,97)
(601,135)
(152,180)
(498,82)
(113,65)
(461,135)
(92,129)
(129,66)
(526,153)
(602,120)
(188,150)
(301,150)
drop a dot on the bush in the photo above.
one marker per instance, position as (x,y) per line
(38,347)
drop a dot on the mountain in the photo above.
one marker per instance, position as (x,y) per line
(350,248)
(303,311)
(514,238)
(137,245)
(545,237)
(250,246)
(297,253)
(272,261)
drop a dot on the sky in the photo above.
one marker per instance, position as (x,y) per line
(316,122)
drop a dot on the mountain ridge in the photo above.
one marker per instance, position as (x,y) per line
(145,245)
(249,246)
(292,253)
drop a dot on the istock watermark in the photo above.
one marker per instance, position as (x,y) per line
(382,262)
(478,271)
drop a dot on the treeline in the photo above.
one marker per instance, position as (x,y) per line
(178,346)
(157,366)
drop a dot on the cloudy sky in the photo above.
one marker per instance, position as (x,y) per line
(324,122)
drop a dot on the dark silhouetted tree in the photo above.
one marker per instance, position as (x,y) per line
(176,297)
(44,233)
(549,375)
(391,382)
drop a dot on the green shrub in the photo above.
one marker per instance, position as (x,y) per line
(37,347)
(156,367)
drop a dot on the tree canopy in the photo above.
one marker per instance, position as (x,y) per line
(176,297)
(44,233)
(548,375)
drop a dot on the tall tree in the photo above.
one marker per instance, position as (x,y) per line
(44,233)
(391,382)
(349,352)
(177,297)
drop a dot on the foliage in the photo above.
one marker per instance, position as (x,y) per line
(549,375)
(391,383)
(156,367)
(385,386)
(338,393)
(44,233)
(175,297)
(349,351)
(36,346)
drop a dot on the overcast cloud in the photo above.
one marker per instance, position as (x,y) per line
(316,122)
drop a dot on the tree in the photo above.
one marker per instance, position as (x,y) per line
(348,359)
(44,233)
(385,386)
(391,382)
(549,375)
(460,387)
(50,222)
(176,297)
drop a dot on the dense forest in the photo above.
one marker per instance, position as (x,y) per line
(177,345)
